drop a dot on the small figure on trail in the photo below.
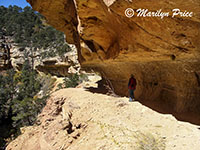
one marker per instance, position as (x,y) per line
(131,88)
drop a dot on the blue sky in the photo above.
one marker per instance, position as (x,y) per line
(20,3)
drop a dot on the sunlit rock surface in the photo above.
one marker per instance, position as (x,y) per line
(162,53)
(90,121)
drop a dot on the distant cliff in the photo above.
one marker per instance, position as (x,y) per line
(25,33)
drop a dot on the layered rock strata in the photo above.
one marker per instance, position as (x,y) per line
(162,53)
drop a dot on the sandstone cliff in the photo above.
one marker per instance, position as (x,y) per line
(162,53)
(75,119)
(12,56)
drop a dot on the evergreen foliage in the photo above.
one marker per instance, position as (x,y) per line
(29,29)
(24,106)
(19,103)
(71,80)
(19,100)
(7,92)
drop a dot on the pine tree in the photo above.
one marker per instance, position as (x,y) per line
(7,92)
(29,29)
(24,105)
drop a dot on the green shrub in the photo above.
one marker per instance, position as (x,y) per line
(19,100)
(60,86)
(71,80)
(83,77)
(29,29)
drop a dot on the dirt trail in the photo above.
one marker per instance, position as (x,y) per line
(75,119)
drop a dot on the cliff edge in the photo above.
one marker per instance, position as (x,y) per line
(75,119)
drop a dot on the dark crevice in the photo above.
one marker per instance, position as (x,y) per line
(182,49)
(91,45)
(145,48)
(93,18)
(198,78)
(156,84)
(69,128)
(182,35)
(78,126)
(173,57)
(101,48)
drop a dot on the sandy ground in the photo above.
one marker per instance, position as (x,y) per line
(75,119)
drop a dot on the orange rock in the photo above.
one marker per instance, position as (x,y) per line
(164,54)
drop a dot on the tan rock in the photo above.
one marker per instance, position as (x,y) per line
(98,121)
(162,53)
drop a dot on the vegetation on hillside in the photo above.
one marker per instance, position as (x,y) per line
(29,29)
(19,103)
(72,80)
(23,94)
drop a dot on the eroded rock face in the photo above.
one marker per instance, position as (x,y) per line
(12,56)
(60,65)
(90,121)
(162,53)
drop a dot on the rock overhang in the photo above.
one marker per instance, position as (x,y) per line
(162,53)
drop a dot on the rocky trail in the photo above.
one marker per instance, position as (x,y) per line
(75,119)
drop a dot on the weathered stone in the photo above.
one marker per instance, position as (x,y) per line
(101,122)
(162,53)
